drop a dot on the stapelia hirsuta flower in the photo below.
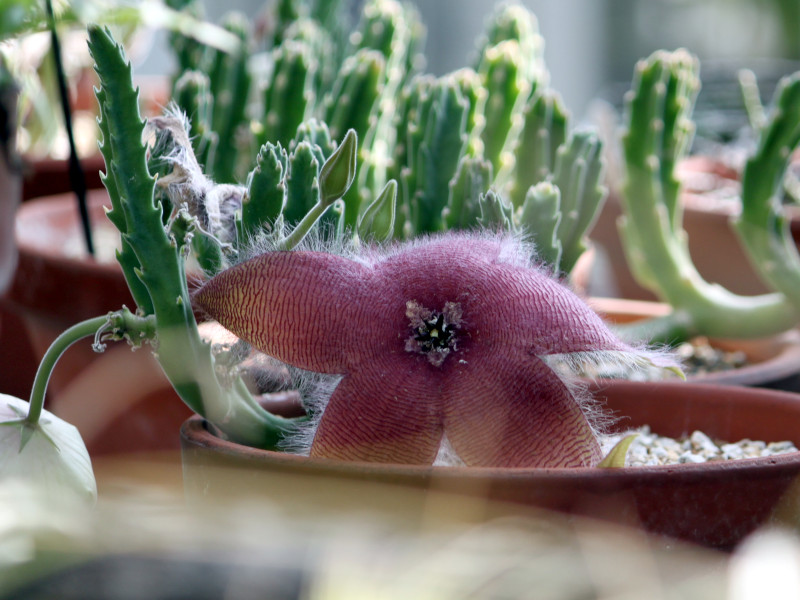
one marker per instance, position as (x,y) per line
(443,338)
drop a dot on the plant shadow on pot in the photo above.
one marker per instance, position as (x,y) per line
(715,504)
(119,400)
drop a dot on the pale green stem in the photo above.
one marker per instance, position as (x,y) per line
(304,226)
(75,333)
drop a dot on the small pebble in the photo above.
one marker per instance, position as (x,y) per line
(651,449)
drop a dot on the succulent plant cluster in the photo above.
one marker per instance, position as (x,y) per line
(425,321)
(658,135)
(488,145)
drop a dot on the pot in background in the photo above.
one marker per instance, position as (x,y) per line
(772,362)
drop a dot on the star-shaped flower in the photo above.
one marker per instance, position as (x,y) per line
(444,337)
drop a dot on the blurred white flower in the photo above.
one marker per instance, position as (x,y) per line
(53,458)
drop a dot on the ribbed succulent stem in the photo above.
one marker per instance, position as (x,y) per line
(578,173)
(762,225)
(541,216)
(469,185)
(502,71)
(290,97)
(390,28)
(658,134)
(443,143)
(544,130)
(186,359)
(230,85)
(353,104)
(265,199)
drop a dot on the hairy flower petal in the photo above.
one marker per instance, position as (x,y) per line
(304,308)
(508,411)
(446,336)
(387,412)
(506,302)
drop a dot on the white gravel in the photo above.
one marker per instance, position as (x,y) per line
(651,449)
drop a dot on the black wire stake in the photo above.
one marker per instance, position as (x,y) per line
(77,177)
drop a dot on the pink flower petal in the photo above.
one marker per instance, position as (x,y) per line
(387,412)
(307,309)
(514,411)
(504,301)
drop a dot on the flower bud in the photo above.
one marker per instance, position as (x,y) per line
(49,455)
(339,170)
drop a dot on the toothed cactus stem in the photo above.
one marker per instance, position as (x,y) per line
(443,144)
(184,357)
(230,87)
(470,183)
(502,72)
(657,136)
(289,98)
(390,28)
(302,185)
(512,21)
(415,100)
(540,219)
(353,104)
(265,199)
(578,174)
(350,103)
(285,13)
(495,212)
(544,130)
(762,225)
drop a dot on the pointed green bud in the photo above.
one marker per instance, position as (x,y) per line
(339,170)
(377,222)
(494,211)
(615,459)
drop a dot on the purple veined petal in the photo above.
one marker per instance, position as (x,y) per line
(308,309)
(529,310)
(505,302)
(387,412)
(506,410)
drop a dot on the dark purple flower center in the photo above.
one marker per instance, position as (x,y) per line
(433,333)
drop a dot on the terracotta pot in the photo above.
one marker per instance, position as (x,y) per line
(773,362)
(119,400)
(713,504)
(50,176)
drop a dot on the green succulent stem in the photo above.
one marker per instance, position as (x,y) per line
(762,227)
(57,348)
(658,135)
(155,262)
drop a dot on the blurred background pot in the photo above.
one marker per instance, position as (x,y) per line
(714,504)
(770,362)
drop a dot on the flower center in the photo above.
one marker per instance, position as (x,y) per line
(433,333)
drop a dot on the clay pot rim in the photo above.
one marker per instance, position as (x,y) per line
(784,363)
(195,432)
(28,210)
